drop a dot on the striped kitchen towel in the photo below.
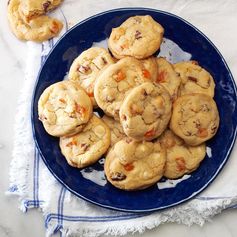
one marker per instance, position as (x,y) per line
(68,214)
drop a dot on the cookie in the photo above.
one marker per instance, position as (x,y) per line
(116,129)
(150,69)
(194,79)
(115,82)
(38,29)
(132,165)
(64,108)
(33,8)
(146,111)
(180,158)
(86,147)
(138,36)
(87,66)
(195,118)
(168,78)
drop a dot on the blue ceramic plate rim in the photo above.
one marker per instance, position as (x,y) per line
(110,206)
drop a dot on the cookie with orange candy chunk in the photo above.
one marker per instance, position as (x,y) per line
(195,118)
(115,82)
(133,165)
(37,29)
(87,66)
(64,108)
(33,8)
(150,69)
(180,158)
(194,79)
(146,111)
(138,36)
(86,147)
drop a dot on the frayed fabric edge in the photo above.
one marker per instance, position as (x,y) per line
(174,215)
(23,142)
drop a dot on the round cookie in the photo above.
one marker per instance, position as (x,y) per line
(38,29)
(115,82)
(132,165)
(180,158)
(87,66)
(86,147)
(167,77)
(150,69)
(138,36)
(116,129)
(64,108)
(33,8)
(195,118)
(194,79)
(146,111)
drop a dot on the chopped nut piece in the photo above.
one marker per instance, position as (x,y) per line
(117,176)
(104,60)
(197,123)
(138,35)
(213,128)
(124,117)
(85,146)
(83,69)
(137,19)
(205,108)
(145,93)
(192,79)
(46,5)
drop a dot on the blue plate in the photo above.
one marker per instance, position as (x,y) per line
(90,183)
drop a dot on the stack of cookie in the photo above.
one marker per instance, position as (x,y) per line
(67,112)
(28,21)
(141,96)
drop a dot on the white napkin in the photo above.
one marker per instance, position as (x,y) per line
(37,188)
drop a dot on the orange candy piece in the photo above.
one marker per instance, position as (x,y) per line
(150,133)
(120,76)
(73,142)
(202,132)
(146,73)
(180,164)
(128,167)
